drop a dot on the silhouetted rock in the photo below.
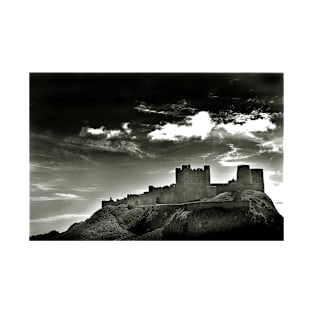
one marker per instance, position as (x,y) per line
(48,236)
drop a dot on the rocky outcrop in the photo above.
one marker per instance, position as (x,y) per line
(242,215)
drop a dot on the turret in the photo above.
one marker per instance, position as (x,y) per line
(207,174)
(257,178)
(244,174)
(187,166)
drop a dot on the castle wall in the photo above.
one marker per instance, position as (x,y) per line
(211,191)
(121,201)
(235,186)
(133,200)
(194,184)
(154,196)
(167,195)
(106,202)
(207,205)
(190,192)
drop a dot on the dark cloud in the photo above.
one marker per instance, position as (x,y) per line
(64,102)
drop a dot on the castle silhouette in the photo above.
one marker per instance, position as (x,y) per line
(195,184)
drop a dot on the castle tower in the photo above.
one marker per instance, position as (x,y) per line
(183,174)
(257,178)
(244,174)
(207,174)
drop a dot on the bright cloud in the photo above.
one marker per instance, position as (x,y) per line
(111,140)
(247,124)
(199,125)
(102,132)
(94,131)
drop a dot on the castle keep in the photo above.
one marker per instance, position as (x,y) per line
(195,184)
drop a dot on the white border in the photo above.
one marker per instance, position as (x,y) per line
(170,36)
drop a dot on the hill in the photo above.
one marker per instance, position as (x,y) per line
(240,215)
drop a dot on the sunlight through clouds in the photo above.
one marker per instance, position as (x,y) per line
(200,125)
(245,124)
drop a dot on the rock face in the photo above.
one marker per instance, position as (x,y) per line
(258,220)
(243,215)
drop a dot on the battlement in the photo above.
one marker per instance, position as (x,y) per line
(187,167)
(188,176)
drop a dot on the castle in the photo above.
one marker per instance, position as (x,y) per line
(195,184)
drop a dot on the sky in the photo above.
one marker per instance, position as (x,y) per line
(99,135)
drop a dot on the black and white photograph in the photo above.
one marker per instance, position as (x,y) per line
(156,156)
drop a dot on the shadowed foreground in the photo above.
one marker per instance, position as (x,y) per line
(241,215)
